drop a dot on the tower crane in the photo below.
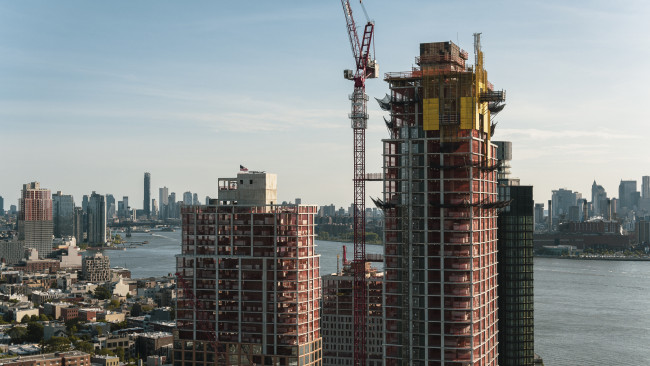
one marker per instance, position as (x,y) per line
(366,67)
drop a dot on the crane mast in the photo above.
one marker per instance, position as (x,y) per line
(366,67)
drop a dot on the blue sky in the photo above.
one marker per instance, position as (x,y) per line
(93,94)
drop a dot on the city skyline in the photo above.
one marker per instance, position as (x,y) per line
(145,88)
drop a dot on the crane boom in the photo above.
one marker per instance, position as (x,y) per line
(365,68)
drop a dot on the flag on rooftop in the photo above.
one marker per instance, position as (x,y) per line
(242,168)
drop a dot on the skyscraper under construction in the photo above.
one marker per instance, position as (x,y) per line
(440,203)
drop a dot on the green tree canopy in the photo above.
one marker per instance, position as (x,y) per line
(102,293)
(34,332)
(84,346)
(57,344)
(105,352)
(136,309)
(17,334)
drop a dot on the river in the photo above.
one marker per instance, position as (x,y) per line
(586,312)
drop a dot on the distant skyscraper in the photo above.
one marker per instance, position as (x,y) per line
(35,224)
(195,200)
(163,203)
(110,207)
(154,208)
(187,198)
(645,186)
(539,213)
(515,266)
(627,195)
(147,195)
(63,214)
(124,208)
(598,200)
(255,286)
(2,206)
(562,200)
(84,203)
(78,225)
(96,220)
(171,203)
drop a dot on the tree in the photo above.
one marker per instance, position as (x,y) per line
(119,352)
(33,318)
(57,344)
(114,304)
(118,326)
(136,310)
(43,318)
(84,346)
(71,325)
(102,293)
(105,352)
(17,334)
(34,332)
(25,319)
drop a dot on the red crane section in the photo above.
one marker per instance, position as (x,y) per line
(366,67)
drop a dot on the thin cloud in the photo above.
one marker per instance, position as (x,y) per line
(538,134)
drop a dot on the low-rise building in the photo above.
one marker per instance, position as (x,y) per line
(69,313)
(105,360)
(111,317)
(41,266)
(53,309)
(53,329)
(72,358)
(41,297)
(114,341)
(89,314)
(18,310)
(151,344)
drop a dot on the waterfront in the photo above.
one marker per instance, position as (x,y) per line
(587,312)
(592,312)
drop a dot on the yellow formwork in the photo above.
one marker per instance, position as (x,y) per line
(431,114)
(467,115)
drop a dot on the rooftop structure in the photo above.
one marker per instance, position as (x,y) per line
(249,281)
(440,202)
(249,188)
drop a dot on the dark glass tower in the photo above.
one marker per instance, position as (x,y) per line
(515,266)
(147,195)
